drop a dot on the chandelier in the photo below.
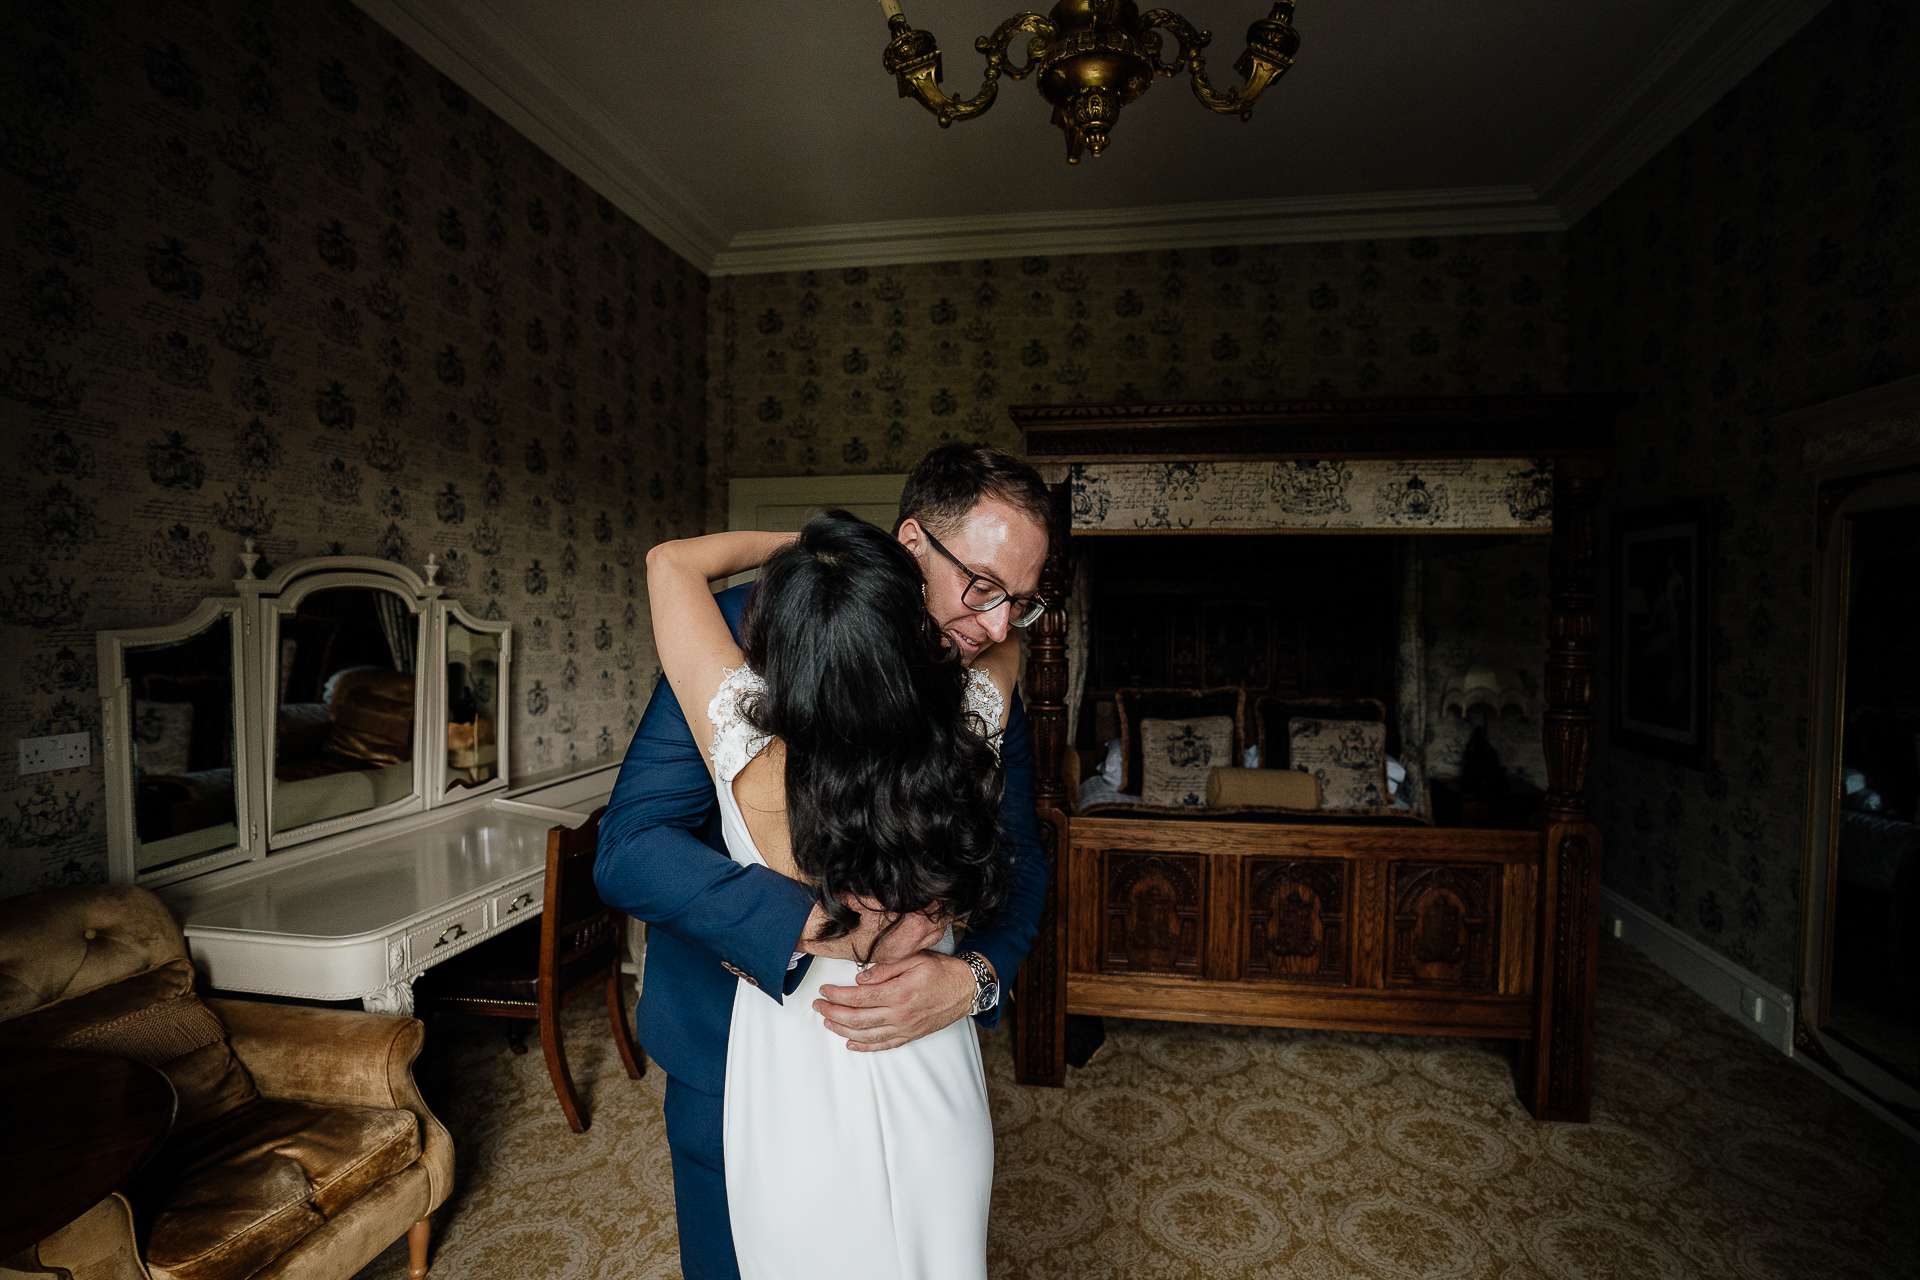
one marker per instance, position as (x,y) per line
(1093,58)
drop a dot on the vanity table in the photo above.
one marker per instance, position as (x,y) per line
(362,921)
(313,773)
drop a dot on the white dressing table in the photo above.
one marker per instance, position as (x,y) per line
(363,920)
(314,774)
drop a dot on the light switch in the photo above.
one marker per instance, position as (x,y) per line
(61,751)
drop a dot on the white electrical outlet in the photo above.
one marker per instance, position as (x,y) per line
(61,751)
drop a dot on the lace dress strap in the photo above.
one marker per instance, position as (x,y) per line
(985,700)
(735,741)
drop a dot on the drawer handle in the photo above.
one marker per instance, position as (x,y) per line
(524,900)
(453,931)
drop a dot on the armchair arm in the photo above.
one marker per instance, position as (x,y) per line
(340,1058)
(97,1245)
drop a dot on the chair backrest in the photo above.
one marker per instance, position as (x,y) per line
(574,922)
(63,942)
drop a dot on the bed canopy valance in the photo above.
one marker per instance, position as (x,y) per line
(1410,928)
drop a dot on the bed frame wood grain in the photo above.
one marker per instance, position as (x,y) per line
(1409,929)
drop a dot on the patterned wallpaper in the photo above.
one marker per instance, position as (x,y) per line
(1766,260)
(862,370)
(267,273)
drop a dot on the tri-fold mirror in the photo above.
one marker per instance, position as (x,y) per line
(293,711)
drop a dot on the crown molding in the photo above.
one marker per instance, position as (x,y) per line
(1462,211)
(1713,49)
(488,56)
(1707,54)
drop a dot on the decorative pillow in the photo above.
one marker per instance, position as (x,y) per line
(162,736)
(1349,757)
(151,1017)
(1134,706)
(1177,756)
(1272,714)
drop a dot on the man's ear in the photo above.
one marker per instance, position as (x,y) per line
(910,535)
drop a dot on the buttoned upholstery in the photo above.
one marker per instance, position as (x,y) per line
(301,1147)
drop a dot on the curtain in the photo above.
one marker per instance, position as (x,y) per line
(402,630)
(1410,671)
(1077,596)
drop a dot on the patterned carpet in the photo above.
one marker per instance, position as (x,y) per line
(1186,1152)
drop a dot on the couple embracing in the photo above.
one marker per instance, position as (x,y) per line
(826,817)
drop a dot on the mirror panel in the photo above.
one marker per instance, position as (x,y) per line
(473,706)
(1873,978)
(181,745)
(345,663)
(329,695)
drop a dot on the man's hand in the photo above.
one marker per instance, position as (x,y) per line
(897,1003)
(913,934)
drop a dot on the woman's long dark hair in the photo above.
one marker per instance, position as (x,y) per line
(893,791)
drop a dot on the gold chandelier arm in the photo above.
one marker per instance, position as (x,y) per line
(913,56)
(1271,45)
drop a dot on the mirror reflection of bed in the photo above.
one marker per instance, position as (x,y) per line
(473,705)
(182,726)
(343,736)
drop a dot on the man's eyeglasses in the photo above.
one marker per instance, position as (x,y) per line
(983,595)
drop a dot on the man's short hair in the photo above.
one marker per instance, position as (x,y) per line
(943,487)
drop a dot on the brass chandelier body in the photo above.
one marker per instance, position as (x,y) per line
(1093,57)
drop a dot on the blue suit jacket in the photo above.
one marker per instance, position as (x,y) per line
(662,860)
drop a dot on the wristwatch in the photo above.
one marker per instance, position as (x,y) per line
(987,987)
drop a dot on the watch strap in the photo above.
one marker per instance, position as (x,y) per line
(984,982)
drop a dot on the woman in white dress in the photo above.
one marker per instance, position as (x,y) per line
(851,752)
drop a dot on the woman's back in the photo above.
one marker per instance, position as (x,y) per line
(810,1128)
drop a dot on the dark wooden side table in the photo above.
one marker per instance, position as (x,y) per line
(76,1126)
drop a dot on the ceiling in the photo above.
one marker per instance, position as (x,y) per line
(763,135)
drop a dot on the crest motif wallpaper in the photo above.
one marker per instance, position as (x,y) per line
(269,274)
(863,369)
(1766,260)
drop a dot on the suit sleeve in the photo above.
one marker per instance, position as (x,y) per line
(654,866)
(1006,938)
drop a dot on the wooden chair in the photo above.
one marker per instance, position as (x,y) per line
(535,973)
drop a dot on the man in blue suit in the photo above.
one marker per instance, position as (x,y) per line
(976,518)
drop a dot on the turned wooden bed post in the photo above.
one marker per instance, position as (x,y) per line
(1040,991)
(1556,1067)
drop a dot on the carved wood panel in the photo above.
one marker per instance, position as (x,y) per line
(1445,925)
(1297,913)
(1155,916)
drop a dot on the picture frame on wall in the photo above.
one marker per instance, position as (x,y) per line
(1663,632)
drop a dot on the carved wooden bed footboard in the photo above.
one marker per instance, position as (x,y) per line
(1419,929)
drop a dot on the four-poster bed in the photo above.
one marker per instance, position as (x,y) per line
(1363,924)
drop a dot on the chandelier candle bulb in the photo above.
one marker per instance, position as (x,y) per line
(891,8)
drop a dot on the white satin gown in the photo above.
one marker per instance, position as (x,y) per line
(845,1165)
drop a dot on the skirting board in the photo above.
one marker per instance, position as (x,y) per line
(1760,1006)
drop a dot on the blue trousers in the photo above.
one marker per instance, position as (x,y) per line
(694,1137)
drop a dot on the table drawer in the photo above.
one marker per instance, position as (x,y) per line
(426,945)
(522,902)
